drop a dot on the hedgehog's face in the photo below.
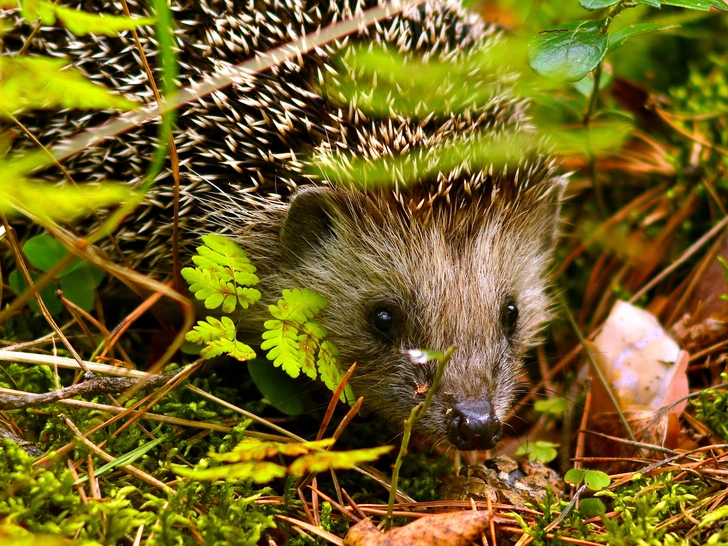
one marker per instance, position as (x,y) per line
(473,280)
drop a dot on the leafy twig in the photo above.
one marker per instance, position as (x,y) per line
(415,415)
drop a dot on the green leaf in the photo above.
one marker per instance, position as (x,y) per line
(282,340)
(298,305)
(48,294)
(592,507)
(234,348)
(44,252)
(40,82)
(59,203)
(630,31)
(335,460)
(700,5)
(258,472)
(651,3)
(586,84)
(79,22)
(539,450)
(79,286)
(127,458)
(281,390)
(553,406)
(216,292)
(330,369)
(223,256)
(597,139)
(211,329)
(594,479)
(596,4)
(569,52)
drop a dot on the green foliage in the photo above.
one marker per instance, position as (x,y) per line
(79,22)
(224,278)
(552,406)
(78,280)
(570,51)
(39,82)
(18,194)
(594,479)
(296,343)
(643,505)
(246,460)
(540,450)
(219,338)
(280,389)
(712,409)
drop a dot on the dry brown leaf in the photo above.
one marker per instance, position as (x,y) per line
(453,528)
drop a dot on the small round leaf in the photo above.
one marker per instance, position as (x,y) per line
(569,52)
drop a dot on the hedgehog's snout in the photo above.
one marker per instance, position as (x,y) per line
(472,424)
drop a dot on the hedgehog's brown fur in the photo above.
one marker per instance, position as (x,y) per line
(444,252)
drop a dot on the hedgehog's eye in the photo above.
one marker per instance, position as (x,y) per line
(509,317)
(383,322)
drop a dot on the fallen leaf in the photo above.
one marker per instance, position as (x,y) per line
(453,528)
(646,371)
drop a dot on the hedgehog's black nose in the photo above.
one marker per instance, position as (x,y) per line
(472,424)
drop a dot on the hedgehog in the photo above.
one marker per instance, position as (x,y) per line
(458,256)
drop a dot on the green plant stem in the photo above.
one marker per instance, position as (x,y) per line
(415,415)
(592,106)
(598,190)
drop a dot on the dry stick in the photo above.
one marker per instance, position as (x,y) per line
(148,416)
(697,276)
(334,399)
(337,434)
(225,77)
(311,529)
(92,387)
(682,259)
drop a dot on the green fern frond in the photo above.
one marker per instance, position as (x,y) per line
(330,369)
(211,329)
(219,338)
(281,338)
(298,305)
(224,276)
(221,254)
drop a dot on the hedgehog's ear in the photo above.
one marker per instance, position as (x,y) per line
(309,222)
